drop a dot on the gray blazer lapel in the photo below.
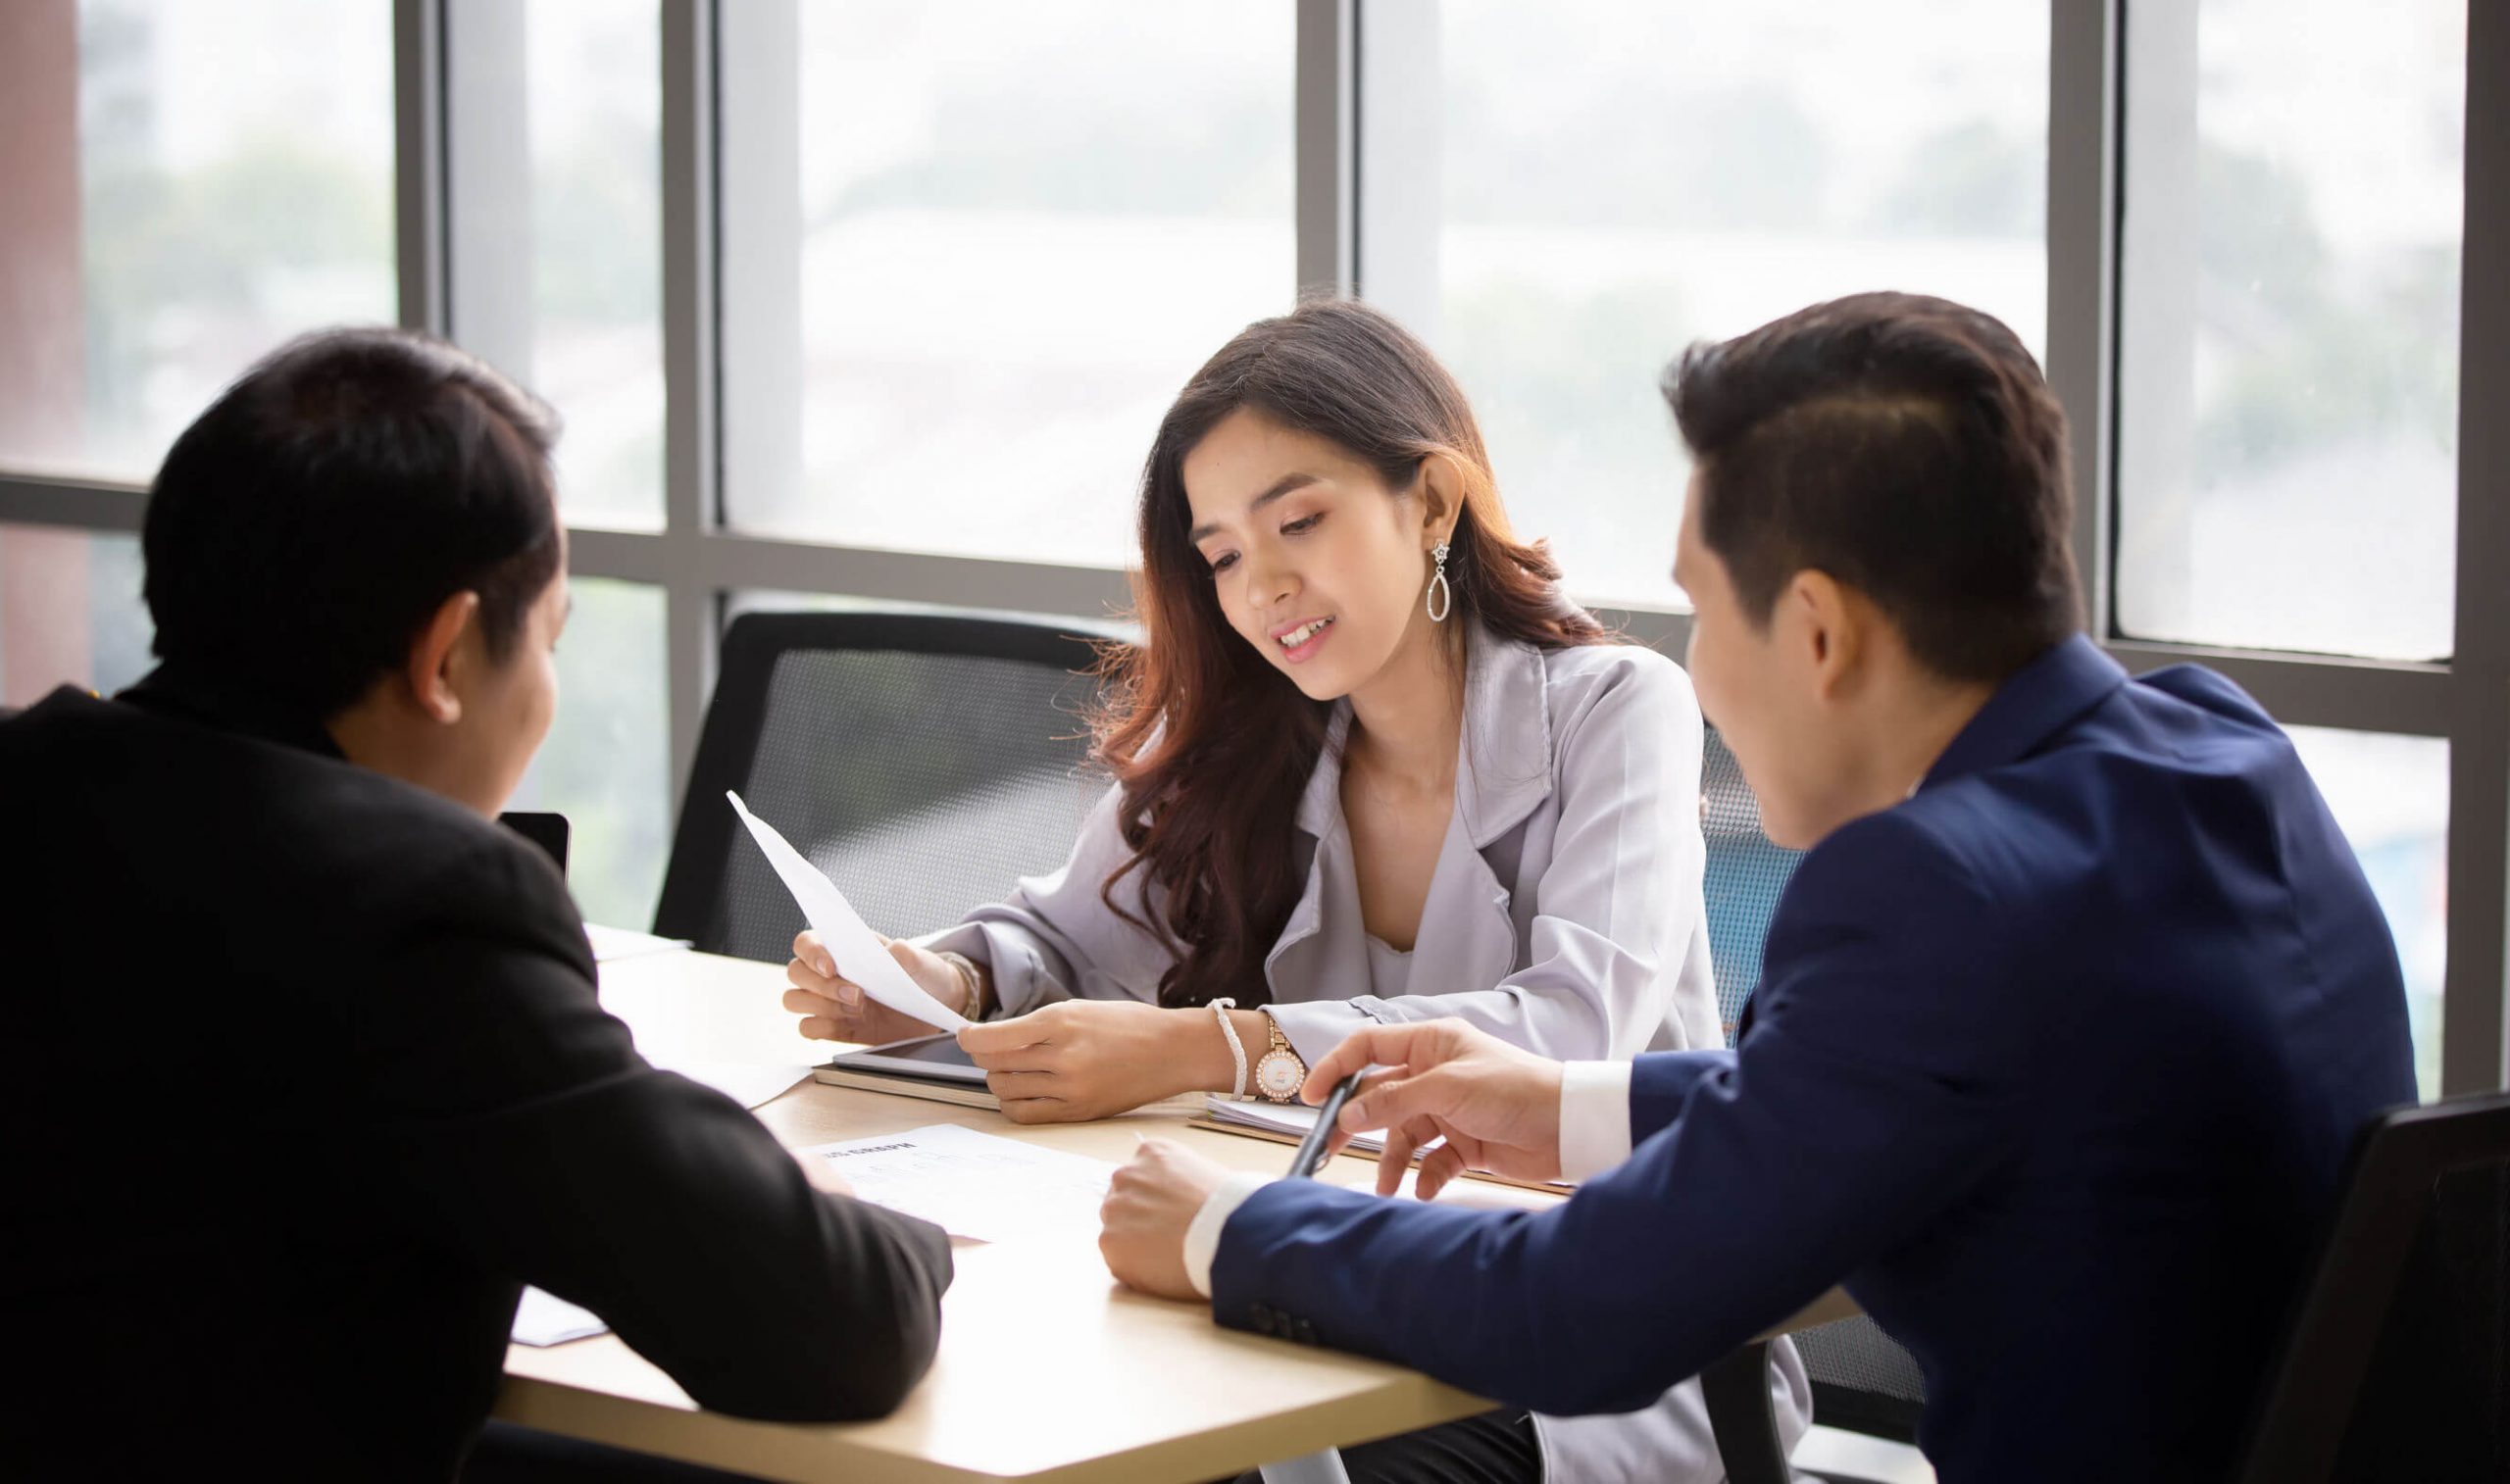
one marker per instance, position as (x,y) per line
(1470,935)
(1503,769)
(1321,837)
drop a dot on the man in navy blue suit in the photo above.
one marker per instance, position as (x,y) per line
(2066,1023)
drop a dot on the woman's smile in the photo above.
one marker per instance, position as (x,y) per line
(1304,638)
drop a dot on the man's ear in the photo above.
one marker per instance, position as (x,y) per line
(1442,490)
(436,652)
(1831,625)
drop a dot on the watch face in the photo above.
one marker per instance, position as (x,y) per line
(1277,1076)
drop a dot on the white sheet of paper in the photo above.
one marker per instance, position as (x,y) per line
(745,1083)
(850,941)
(611,944)
(545,1318)
(974,1185)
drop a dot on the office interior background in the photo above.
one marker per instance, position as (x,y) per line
(879,301)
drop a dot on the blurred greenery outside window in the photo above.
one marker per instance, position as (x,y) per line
(607,763)
(990,241)
(557,275)
(235,170)
(1601,206)
(2390,796)
(2290,304)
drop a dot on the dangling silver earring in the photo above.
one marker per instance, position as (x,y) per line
(1442,600)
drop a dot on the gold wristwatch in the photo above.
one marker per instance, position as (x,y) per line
(1279,1072)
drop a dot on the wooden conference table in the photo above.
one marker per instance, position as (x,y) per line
(1048,1370)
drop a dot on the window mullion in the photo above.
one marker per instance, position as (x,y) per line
(1326,152)
(692,502)
(2476,1047)
(2083,220)
(418,186)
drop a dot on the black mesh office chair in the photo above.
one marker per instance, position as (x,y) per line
(1861,1379)
(2396,1365)
(922,761)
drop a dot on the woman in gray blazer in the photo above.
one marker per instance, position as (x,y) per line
(1371,765)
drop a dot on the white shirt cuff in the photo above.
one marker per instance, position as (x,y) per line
(1202,1236)
(1594,1117)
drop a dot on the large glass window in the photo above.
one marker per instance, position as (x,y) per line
(1619,180)
(607,763)
(555,163)
(597,251)
(989,240)
(2287,393)
(2390,796)
(186,187)
(69,613)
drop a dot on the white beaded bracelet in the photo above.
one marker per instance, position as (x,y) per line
(1236,1048)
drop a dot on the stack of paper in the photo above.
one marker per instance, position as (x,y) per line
(1288,1123)
(1291,1118)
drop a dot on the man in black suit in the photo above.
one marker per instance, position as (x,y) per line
(306,1073)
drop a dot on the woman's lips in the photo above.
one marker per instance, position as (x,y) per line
(1298,654)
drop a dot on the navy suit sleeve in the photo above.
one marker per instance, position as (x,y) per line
(1876,1086)
(1660,1081)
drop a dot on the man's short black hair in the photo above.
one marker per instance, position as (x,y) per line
(1908,447)
(304,531)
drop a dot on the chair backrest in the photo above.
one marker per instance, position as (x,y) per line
(923,761)
(549,831)
(1745,875)
(2396,1365)
(1862,1379)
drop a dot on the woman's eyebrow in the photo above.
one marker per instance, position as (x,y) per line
(1281,486)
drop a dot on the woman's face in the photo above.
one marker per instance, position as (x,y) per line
(1316,562)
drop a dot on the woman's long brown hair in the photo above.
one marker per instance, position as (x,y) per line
(1213,745)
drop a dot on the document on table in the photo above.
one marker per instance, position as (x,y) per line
(973,1185)
(612,944)
(749,1085)
(545,1318)
(850,941)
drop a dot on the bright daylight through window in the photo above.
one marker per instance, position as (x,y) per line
(1709,169)
(2288,334)
(1012,231)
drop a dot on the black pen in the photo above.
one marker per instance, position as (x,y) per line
(1311,1149)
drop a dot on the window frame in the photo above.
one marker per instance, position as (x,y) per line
(1359,228)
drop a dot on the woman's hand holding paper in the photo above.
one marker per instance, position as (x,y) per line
(835,1008)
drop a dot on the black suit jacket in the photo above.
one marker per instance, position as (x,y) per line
(306,1077)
